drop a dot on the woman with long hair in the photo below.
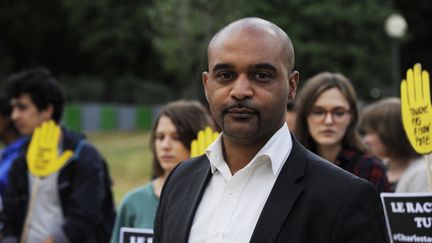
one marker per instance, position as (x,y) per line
(176,125)
(327,117)
(384,134)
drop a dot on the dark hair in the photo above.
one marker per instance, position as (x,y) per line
(5,112)
(5,106)
(41,86)
(313,88)
(384,118)
(189,117)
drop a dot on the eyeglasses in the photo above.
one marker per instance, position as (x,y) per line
(339,114)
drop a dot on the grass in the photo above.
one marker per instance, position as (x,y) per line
(128,156)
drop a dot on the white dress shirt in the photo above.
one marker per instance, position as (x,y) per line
(232,204)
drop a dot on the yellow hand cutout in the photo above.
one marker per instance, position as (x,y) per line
(42,154)
(417,109)
(205,138)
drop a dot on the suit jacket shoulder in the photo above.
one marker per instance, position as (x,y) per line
(312,201)
(313,195)
(181,194)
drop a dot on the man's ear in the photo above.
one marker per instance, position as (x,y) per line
(48,113)
(293,81)
(204,78)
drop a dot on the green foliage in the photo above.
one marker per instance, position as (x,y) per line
(114,37)
(132,89)
(184,29)
(129,89)
(112,33)
(335,35)
(32,34)
(155,51)
(338,36)
(83,88)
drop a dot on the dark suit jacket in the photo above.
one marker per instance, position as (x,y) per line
(311,201)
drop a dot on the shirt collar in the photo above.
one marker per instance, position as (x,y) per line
(277,149)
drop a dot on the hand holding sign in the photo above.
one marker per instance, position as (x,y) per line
(417,109)
(42,154)
(205,138)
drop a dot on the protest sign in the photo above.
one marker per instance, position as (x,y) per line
(408,216)
(136,235)
(204,139)
(417,113)
(417,109)
(42,155)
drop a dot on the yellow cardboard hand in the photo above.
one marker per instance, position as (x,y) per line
(42,154)
(205,138)
(417,109)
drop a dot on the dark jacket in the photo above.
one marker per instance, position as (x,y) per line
(85,194)
(312,201)
(364,166)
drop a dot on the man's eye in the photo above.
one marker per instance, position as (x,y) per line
(20,107)
(225,75)
(262,76)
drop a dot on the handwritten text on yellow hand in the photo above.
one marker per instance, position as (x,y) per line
(42,155)
(417,109)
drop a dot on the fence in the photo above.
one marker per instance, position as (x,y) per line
(90,117)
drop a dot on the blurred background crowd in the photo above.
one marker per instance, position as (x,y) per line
(120,62)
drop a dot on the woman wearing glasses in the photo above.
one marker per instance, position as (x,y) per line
(327,125)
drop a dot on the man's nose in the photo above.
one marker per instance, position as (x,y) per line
(242,88)
(14,114)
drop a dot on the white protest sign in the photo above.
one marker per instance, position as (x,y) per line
(408,216)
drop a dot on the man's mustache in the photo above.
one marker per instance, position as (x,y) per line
(240,107)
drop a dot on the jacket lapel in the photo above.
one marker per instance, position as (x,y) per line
(197,185)
(282,197)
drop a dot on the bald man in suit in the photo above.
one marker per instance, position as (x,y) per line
(256,183)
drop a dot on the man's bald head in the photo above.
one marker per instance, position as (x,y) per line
(260,26)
